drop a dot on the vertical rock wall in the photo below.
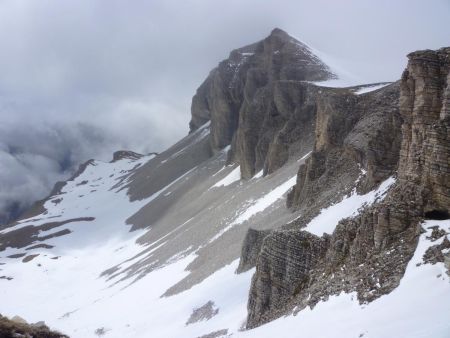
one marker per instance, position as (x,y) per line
(425,108)
(368,253)
(259,101)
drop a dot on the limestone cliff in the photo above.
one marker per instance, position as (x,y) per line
(368,253)
(356,138)
(259,101)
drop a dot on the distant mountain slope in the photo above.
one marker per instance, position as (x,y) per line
(285,199)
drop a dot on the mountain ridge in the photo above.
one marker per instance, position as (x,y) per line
(290,184)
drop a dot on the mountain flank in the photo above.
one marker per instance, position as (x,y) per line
(290,209)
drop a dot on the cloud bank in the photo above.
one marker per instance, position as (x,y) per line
(80,79)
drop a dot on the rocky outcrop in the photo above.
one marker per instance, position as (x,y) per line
(251,248)
(425,108)
(121,154)
(204,312)
(17,327)
(368,253)
(31,234)
(258,101)
(284,265)
(357,138)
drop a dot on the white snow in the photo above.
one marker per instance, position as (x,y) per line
(258,206)
(133,311)
(328,218)
(344,77)
(233,176)
(368,89)
(419,307)
(70,296)
(264,202)
(259,174)
(304,156)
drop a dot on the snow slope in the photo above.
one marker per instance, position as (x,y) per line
(98,276)
(101,279)
(329,217)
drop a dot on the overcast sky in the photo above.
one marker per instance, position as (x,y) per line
(82,78)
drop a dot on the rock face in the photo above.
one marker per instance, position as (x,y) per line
(18,327)
(204,312)
(355,137)
(288,257)
(425,107)
(250,249)
(368,253)
(121,154)
(258,101)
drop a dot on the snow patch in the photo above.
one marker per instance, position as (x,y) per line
(259,205)
(259,174)
(367,89)
(328,218)
(232,177)
(264,202)
(304,157)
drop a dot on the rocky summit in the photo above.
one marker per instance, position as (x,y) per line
(260,101)
(293,208)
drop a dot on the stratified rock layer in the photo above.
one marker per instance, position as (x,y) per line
(258,101)
(356,138)
(425,108)
(368,253)
(286,257)
(250,249)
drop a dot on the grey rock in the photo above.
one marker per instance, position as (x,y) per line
(283,268)
(121,154)
(352,133)
(425,109)
(250,249)
(368,253)
(447,262)
(39,324)
(215,334)
(19,320)
(18,327)
(258,101)
(204,312)
(434,254)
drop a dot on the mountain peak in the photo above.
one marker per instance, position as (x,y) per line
(284,37)
(262,66)
(279,32)
(280,37)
